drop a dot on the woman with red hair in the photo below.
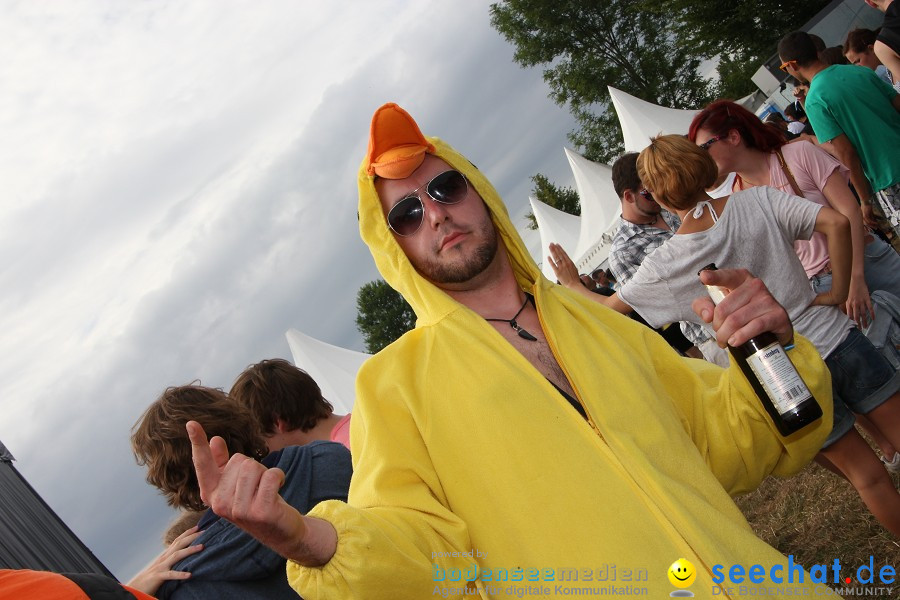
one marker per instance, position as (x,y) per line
(740,143)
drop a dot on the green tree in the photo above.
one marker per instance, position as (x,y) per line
(561,198)
(383,315)
(741,33)
(587,45)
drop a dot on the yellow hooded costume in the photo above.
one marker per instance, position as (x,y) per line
(461,446)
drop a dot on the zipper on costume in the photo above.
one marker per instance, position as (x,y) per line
(555,353)
(650,501)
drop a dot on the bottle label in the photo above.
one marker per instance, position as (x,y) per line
(777,375)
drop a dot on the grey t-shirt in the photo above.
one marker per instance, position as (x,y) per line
(756,231)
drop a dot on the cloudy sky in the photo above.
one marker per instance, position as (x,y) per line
(178,190)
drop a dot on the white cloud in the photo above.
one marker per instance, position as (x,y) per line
(179,190)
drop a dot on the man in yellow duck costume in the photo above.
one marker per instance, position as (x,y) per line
(520,431)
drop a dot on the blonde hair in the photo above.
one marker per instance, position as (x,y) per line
(676,170)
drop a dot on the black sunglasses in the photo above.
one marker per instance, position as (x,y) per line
(705,145)
(406,216)
(647,194)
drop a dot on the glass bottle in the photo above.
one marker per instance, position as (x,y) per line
(773,377)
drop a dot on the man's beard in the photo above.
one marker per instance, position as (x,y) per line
(456,272)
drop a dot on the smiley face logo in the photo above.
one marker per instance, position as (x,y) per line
(682,573)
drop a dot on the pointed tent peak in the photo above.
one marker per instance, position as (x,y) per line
(748,101)
(334,368)
(554,226)
(571,155)
(600,206)
(579,163)
(576,159)
(642,120)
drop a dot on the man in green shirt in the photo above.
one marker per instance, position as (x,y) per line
(856,117)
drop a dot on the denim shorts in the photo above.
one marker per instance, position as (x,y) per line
(882,269)
(861,379)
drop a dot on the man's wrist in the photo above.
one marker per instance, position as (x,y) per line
(314,544)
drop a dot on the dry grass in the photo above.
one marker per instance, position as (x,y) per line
(817,517)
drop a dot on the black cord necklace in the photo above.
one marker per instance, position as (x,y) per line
(512,323)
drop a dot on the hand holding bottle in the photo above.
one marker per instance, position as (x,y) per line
(747,311)
(764,361)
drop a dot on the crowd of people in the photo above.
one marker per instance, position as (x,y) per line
(275,415)
(807,262)
(523,425)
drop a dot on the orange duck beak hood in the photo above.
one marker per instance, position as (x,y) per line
(396,145)
(396,149)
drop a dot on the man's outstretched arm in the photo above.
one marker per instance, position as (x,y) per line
(842,149)
(567,275)
(245,492)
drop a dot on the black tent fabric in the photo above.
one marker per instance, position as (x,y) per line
(32,536)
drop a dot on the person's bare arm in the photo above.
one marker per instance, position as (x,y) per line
(836,229)
(805,137)
(567,275)
(859,305)
(245,492)
(800,92)
(889,59)
(842,149)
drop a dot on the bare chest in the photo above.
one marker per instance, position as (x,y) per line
(537,352)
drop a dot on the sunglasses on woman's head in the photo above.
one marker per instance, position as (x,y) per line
(705,145)
(406,216)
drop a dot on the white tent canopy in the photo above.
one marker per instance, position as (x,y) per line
(531,237)
(555,226)
(334,368)
(641,120)
(582,237)
(600,208)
